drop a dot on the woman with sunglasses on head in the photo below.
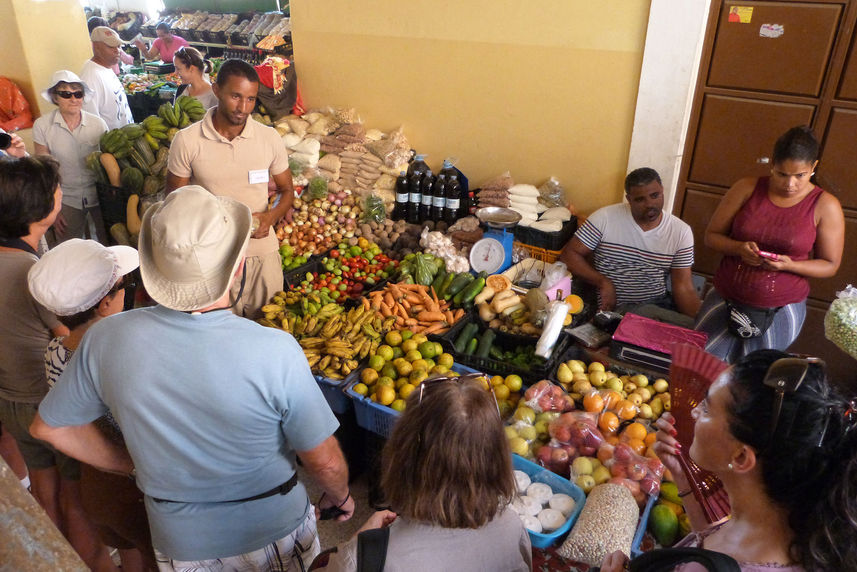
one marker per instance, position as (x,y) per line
(193,70)
(447,474)
(775,233)
(69,134)
(784,444)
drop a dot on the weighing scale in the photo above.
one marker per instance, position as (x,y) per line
(493,253)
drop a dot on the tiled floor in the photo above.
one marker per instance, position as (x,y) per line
(331,532)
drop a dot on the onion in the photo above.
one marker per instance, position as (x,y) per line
(349,233)
(345,209)
(340,219)
(321,220)
(341,195)
(337,202)
(330,197)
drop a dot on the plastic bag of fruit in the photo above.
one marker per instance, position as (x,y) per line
(546,396)
(373,209)
(641,475)
(578,429)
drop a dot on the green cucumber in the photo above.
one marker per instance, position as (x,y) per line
(445,286)
(438,281)
(458,284)
(471,347)
(485,343)
(471,290)
(468,332)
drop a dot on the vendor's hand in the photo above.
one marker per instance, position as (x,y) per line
(288,216)
(16,147)
(749,253)
(327,501)
(667,446)
(266,220)
(60,226)
(379,519)
(782,263)
(614,562)
(607,293)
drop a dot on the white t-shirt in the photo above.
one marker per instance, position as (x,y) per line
(109,101)
(636,261)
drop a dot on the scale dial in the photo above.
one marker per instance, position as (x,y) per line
(487,255)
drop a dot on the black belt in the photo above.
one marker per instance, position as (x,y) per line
(282,489)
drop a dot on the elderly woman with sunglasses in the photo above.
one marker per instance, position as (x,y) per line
(69,134)
(447,474)
(784,444)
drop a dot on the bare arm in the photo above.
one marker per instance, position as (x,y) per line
(60,331)
(85,443)
(267,219)
(829,242)
(717,233)
(147,53)
(684,294)
(41,149)
(575,255)
(17,147)
(326,464)
(125,57)
(174,182)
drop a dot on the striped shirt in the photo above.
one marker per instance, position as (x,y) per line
(636,261)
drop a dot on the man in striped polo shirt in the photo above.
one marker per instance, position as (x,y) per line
(627,249)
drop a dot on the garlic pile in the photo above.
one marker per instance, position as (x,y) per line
(441,246)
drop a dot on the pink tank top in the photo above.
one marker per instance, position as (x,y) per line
(790,231)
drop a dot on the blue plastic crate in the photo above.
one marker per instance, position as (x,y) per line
(558,484)
(377,418)
(641,528)
(334,392)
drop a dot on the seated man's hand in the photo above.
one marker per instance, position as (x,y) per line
(607,293)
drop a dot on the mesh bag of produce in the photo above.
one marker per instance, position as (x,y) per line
(840,322)
(607,523)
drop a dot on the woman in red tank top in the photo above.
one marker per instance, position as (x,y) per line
(775,233)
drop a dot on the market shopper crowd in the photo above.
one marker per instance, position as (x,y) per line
(209,414)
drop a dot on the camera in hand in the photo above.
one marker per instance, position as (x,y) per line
(5,141)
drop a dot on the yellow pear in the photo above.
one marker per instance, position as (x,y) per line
(576,366)
(564,373)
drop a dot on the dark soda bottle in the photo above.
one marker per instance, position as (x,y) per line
(401,209)
(414,198)
(453,200)
(427,191)
(439,197)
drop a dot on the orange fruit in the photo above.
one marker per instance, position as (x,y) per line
(625,409)
(576,303)
(611,398)
(635,430)
(612,439)
(637,445)
(593,402)
(608,422)
(650,439)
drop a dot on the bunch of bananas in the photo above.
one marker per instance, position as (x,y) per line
(191,106)
(116,143)
(156,131)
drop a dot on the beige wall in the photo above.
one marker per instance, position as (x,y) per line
(38,39)
(538,88)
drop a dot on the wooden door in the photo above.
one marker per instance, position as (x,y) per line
(768,66)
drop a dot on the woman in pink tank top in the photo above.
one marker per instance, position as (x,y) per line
(775,233)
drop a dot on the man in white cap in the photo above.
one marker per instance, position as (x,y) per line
(108,100)
(69,134)
(214,408)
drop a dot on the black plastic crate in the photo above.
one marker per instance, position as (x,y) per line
(507,342)
(547,240)
(113,202)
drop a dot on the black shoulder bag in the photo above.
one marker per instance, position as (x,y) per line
(665,559)
(372,549)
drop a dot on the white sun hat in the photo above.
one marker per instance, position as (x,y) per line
(76,274)
(67,77)
(191,245)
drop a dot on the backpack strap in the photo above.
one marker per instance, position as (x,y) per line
(372,549)
(665,559)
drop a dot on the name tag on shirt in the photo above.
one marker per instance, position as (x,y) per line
(258,176)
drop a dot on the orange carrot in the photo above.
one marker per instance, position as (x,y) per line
(442,331)
(449,316)
(405,304)
(413,299)
(434,328)
(396,292)
(411,322)
(385,310)
(388,298)
(365,302)
(458,314)
(399,321)
(426,316)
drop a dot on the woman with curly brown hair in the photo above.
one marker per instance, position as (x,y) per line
(447,474)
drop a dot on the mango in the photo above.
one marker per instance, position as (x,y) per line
(664,525)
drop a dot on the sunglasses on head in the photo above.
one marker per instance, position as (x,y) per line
(70,94)
(458,379)
(785,376)
(122,285)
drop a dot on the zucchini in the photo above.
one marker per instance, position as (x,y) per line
(495,353)
(485,343)
(438,281)
(468,332)
(445,286)
(471,290)
(471,347)
(458,284)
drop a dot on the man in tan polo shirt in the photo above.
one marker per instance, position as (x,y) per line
(231,155)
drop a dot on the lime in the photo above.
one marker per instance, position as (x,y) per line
(513,382)
(360,389)
(406,335)
(445,359)
(393,338)
(377,362)
(369,376)
(427,349)
(386,352)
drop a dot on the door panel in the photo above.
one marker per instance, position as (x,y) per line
(848,86)
(736,136)
(826,288)
(696,211)
(781,47)
(837,171)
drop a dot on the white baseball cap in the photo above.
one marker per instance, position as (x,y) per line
(191,244)
(107,35)
(64,76)
(76,274)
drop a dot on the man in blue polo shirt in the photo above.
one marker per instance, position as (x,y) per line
(214,408)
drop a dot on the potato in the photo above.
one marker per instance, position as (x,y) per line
(394,236)
(365,229)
